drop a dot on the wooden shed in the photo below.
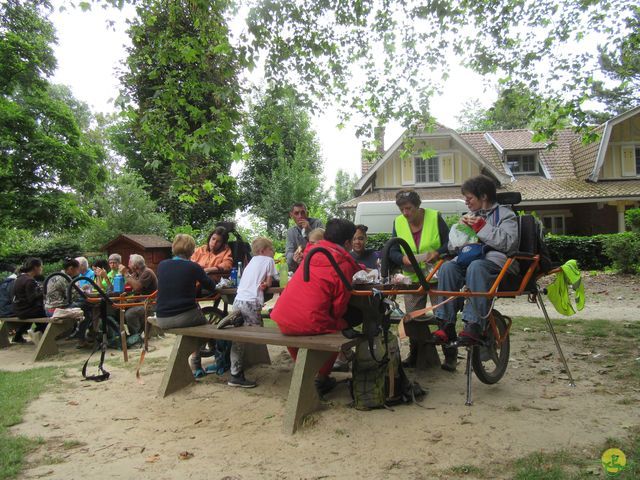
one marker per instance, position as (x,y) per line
(153,248)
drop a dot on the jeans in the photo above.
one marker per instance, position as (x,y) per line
(478,276)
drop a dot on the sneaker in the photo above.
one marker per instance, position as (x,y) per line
(240,381)
(35,337)
(18,339)
(199,373)
(325,385)
(340,366)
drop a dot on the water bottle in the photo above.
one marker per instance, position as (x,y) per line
(118,283)
(239,272)
(233,278)
(283,272)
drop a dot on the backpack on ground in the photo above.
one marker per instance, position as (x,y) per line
(377,384)
(6,300)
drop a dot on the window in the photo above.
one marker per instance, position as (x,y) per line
(521,164)
(554,224)
(427,170)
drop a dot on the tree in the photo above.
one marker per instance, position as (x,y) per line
(516,107)
(124,206)
(181,100)
(45,156)
(342,191)
(283,163)
(620,63)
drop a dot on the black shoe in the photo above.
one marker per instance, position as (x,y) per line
(471,335)
(18,339)
(234,319)
(450,359)
(240,381)
(325,385)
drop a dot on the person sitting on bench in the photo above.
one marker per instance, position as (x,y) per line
(28,298)
(319,305)
(497,230)
(178,277)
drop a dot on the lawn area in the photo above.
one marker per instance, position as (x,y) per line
(17,389)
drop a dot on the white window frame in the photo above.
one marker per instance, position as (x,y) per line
(425,161)
(521,155)
(552,220)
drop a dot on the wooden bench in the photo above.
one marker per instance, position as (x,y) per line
(313,352)
(47,345)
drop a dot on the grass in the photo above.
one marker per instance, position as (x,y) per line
(17,389)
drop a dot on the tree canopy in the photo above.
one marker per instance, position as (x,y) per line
(283,163)
(181,101)
(45,155)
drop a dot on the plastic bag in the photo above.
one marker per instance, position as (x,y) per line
(462,234)
(364,277)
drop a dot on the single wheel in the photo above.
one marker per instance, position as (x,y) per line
(490,361)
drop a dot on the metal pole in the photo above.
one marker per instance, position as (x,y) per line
(555,338)
(469,402)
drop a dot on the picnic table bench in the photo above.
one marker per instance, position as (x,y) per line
(47,345)
(313,352)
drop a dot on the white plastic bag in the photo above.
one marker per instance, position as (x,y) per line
(461,234)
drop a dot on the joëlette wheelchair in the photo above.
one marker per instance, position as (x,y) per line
(488,358)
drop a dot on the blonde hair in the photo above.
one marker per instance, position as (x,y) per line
(183,245)
(260,244)
(316,235)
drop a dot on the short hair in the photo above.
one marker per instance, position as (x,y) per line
(316,234)
(115,257)
(183,245)
(137,260)
(339,230)
(299,205)
(82,262)
(220,231)
(101,263)
(30,264)
(362,228)
(408,196)
(69,262)
(260,244)
(479,186)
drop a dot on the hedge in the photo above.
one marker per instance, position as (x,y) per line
(591,253)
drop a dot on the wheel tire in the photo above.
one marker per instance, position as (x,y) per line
(491,371)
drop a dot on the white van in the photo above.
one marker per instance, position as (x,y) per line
(379,216)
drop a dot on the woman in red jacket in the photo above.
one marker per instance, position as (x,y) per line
(319,305)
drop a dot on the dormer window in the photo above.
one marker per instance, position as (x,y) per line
(522,164)
(427,170)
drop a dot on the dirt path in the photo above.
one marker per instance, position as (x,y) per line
(121,429)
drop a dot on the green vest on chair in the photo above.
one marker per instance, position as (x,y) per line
(429,238)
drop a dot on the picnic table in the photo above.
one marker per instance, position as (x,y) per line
(47,345)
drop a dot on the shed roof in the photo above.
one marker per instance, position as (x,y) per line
(141,241)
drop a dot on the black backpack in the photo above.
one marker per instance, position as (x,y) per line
(240,250)
(6,300)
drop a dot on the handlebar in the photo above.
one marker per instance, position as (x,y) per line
(333,262)
(384,269)
(98,289)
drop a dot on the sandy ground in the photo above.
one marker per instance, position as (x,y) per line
(121,429)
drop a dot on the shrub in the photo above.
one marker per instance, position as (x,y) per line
(17,245)
(632,219)
(376,241)
(587,251)
(624,251)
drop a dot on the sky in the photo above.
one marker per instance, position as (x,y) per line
(90,53)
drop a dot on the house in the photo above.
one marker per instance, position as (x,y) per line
(153,248)
(575,188)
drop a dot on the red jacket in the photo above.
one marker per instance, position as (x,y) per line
(316,306)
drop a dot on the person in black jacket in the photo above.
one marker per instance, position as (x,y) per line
(28,301)
(177,279)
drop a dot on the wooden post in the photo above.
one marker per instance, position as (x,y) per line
(178,374)
(4,334)
(123,336)
(48,346)
(303,397)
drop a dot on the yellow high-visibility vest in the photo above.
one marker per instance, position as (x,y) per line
(429,238)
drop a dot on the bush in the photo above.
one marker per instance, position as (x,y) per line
(376,241)
(17,245)
(624,251)
(587,251)
(632,219)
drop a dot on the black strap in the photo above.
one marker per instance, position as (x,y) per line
(104,375)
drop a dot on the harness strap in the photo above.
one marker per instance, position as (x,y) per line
(417,313)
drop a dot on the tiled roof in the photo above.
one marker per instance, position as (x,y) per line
(144,241)
(532,189)
(487,151)
(557,158)
(515,140)
(584,156)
